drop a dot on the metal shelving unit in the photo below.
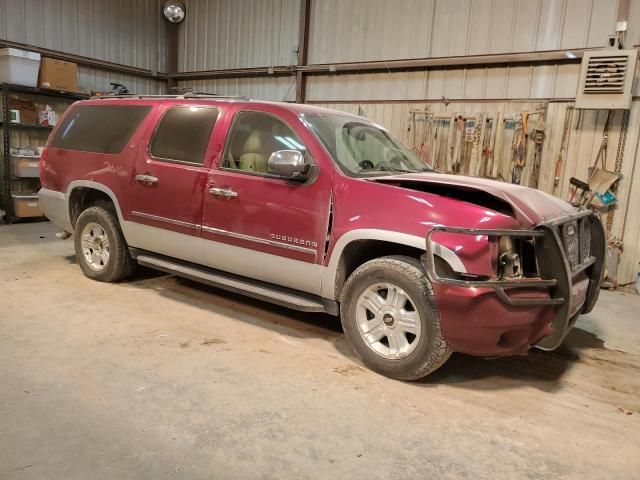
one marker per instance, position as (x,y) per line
(9,180)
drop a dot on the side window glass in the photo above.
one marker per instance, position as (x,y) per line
(254,136)
(183,134)
(99,128)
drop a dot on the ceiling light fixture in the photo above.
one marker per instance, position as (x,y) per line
(174,11)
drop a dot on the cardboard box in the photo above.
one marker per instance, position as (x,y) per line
(27,109)
(58,75)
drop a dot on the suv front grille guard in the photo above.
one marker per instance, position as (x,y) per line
(498,285)
(564,248)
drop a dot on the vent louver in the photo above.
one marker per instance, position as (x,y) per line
(606,80)
(606,74)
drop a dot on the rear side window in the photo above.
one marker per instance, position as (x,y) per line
(183,134)
(99,128)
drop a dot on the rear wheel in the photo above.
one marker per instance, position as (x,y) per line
(101,249)
(390,317)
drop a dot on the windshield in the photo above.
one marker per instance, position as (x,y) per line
(361,148)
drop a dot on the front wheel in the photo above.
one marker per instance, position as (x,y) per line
(101,249)
(389,316)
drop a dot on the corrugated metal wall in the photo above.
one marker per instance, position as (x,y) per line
(239,33)
(251,33)
(357,30)
(540,81)
(91,79)
(119,31)
(273,88)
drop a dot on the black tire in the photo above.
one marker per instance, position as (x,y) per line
(120,265)
(431,351)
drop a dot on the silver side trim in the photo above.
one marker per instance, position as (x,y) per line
(262,241)
(262,292)
(172,221)
(163,241)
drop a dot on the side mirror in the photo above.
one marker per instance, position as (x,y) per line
(288,163)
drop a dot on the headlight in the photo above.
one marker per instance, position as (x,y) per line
(509,265)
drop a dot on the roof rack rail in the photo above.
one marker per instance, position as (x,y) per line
(185,95)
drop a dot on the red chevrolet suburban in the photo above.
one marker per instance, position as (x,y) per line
(321,211)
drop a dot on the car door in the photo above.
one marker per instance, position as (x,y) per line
(259,225)
(168,183)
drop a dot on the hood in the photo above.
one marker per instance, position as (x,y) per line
(528,205)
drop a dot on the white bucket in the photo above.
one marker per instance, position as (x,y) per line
(19,67)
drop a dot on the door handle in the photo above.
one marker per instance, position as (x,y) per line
(146,178)
(223,192)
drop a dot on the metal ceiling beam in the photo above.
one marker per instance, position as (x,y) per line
(554,56)
(237,73)
(527,58)
(87,61)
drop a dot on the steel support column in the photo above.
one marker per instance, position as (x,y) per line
(172,37)
(303,44)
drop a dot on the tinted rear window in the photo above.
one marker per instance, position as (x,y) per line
(183,134)
(99,128)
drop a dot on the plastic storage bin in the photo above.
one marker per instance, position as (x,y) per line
(19,67)
(25,166)
(26,205)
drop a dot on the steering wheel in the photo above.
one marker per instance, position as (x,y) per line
(366,165)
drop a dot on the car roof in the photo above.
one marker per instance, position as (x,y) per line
(241,102)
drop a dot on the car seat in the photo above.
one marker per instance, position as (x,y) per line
(253,157)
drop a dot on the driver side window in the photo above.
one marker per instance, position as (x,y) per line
(254,136)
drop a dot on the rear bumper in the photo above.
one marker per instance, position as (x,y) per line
(506,317)
(55,208)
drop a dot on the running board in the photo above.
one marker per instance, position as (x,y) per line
(259,290)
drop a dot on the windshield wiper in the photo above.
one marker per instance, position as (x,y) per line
(386,168)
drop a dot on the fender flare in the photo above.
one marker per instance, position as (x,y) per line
(331,271)
(95,186)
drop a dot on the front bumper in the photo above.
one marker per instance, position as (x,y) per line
(500,317)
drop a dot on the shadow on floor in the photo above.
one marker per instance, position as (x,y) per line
(541,369)
(259,313)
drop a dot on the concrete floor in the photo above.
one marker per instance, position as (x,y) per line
(160,377)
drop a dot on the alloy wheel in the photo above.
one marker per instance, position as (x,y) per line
(388,320)
(95,246)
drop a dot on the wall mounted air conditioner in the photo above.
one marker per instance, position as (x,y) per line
(606,79)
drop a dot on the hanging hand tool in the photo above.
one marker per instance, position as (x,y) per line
(538,127)
(520,147)
(601,157)
(568,116)
(458,139)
